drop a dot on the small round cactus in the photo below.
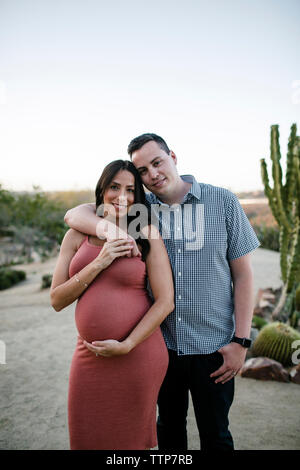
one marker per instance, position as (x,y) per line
(275,341)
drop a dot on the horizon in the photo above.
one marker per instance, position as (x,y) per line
(252,195)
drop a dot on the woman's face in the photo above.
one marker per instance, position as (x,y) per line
(119,195)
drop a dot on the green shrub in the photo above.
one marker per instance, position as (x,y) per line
(258,322)
(46,281)
(9,277)
(33,220)
(268,237)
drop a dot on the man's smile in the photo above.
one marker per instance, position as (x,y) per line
(159,183)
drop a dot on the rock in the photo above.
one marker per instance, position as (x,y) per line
(263,304)
(265,301)
(295,374)
(263,368)
(258,311)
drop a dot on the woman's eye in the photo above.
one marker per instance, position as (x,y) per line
(131,190)
(114,186)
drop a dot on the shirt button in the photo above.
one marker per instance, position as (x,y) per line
(179,297)
(179,251)
(179,319)
(179,274)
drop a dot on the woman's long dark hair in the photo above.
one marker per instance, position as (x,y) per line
(139,194)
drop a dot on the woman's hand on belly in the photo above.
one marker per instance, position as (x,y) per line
(108,347)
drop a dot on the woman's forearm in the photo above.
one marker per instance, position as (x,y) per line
(65,294)
(148,324)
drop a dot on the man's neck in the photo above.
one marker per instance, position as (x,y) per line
(177,196)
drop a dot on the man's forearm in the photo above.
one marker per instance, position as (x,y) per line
(243,304)
(83,218)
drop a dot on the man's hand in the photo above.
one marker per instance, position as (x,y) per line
(234,357)
(108,348)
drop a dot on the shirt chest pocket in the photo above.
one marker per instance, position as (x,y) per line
(215,232)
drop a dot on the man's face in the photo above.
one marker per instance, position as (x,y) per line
(157,168)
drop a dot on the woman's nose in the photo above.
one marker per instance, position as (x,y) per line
(122,199)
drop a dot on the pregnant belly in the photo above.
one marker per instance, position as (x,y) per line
(109,316)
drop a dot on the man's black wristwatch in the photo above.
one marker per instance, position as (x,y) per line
(245,342)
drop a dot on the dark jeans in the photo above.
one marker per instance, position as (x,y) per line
(211,403)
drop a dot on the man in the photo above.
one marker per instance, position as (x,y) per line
(209,239)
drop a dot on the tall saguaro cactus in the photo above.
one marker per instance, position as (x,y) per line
(284,201)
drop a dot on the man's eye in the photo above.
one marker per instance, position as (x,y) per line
(156,163)
(142,172)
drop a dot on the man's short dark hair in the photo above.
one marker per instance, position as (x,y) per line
(141,140)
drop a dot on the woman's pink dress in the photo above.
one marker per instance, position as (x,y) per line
(112,400)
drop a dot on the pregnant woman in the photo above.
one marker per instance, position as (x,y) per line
(120,359)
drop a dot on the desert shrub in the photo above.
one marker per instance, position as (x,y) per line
(34,221)
(46,281)
(9,277)
(268,236)
(258,322)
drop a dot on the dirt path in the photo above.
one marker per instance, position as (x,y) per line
(34,380)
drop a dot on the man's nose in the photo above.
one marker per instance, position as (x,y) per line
(153,173)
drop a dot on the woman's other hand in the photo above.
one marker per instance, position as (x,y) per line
(108,348)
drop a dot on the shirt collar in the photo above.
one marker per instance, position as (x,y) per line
(193,191)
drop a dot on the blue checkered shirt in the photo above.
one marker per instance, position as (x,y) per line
(201,236)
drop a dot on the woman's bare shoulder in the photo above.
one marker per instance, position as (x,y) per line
(73,238)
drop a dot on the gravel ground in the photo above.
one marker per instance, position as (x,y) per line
(34,381)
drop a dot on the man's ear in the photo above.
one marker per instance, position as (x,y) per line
(173,156)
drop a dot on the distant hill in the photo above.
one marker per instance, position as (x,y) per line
(70,199)
(251,195)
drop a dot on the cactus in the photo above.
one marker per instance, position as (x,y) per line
(297,298)
(275,341)
(284,201)
(295,317)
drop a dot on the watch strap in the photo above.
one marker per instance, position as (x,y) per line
(245,342)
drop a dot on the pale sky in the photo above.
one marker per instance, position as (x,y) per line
(80,78)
